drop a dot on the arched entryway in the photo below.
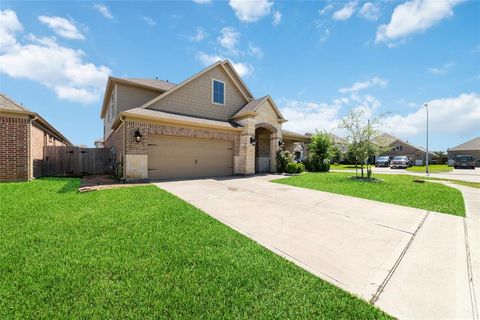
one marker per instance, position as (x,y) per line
(264,136)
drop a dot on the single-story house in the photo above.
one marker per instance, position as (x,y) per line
(23,134)
(471,148)
(208,125)
(398,147)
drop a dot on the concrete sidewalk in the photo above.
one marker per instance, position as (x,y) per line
(409,262)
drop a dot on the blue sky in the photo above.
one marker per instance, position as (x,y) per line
(316,59)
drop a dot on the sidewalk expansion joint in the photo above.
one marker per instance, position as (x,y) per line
(382,286)
(471,286)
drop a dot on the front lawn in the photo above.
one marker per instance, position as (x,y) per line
(142,253)
(396,189)
(432,168)
(344,167)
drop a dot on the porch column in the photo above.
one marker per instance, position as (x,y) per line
(244,163)
(275,138)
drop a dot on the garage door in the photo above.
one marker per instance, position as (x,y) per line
(180,157)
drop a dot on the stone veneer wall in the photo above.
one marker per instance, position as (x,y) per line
(14,151)
(140,148)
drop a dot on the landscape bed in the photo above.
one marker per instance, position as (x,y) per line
(143,253)
(397,189)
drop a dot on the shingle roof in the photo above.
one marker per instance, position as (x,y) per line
(291,134)
(161,115)
(250,107)
(473,144)
(153,83)
(7,103)
(385,138)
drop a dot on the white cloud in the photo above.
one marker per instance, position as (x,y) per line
(414,16)
(59,68)
(103,10)
(62,27)
(255,51)
(229,38)
(9,26)
(362,85)
(148,20)
(325,35)
(370,11)
(346,12)
(202,1)
(325,9)
(251,11)
(199,35)
(243,69)
(462,113)
(437,71)
(277,18)
(307,116)
(75,94)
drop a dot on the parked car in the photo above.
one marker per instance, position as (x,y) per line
(383,161)
(400,162)
(464,161)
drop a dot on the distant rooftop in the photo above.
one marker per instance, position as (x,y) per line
(473,144)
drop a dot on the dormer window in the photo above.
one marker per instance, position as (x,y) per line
(218,92)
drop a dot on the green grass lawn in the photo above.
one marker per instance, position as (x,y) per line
(142,253)
(344,167)
(396,189)
(433,168)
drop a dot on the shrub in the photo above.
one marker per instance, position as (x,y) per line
(294,167)
(313,164)
(283,158)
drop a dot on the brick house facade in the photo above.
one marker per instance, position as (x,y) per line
(23,134)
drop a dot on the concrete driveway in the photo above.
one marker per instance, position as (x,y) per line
(409,262)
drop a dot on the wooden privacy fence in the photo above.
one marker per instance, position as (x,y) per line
(76,161)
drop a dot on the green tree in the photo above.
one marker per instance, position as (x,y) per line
(320,151)
(360,135)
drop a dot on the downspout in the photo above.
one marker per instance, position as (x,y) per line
(122,119)
(30,156)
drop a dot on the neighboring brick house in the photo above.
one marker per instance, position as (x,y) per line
(399,147)
(23,134)
(208,125)
(470,148)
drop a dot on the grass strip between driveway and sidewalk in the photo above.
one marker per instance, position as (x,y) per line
(396,189)
(143,253)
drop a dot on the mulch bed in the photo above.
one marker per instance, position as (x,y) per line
(102,182)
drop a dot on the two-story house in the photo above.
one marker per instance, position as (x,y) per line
(208,125)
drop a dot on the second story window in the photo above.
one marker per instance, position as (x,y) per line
(218,92)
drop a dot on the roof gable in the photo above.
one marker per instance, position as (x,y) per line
(253,106)
(194,98)
(227,68)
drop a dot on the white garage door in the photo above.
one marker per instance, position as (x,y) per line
(180,157)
